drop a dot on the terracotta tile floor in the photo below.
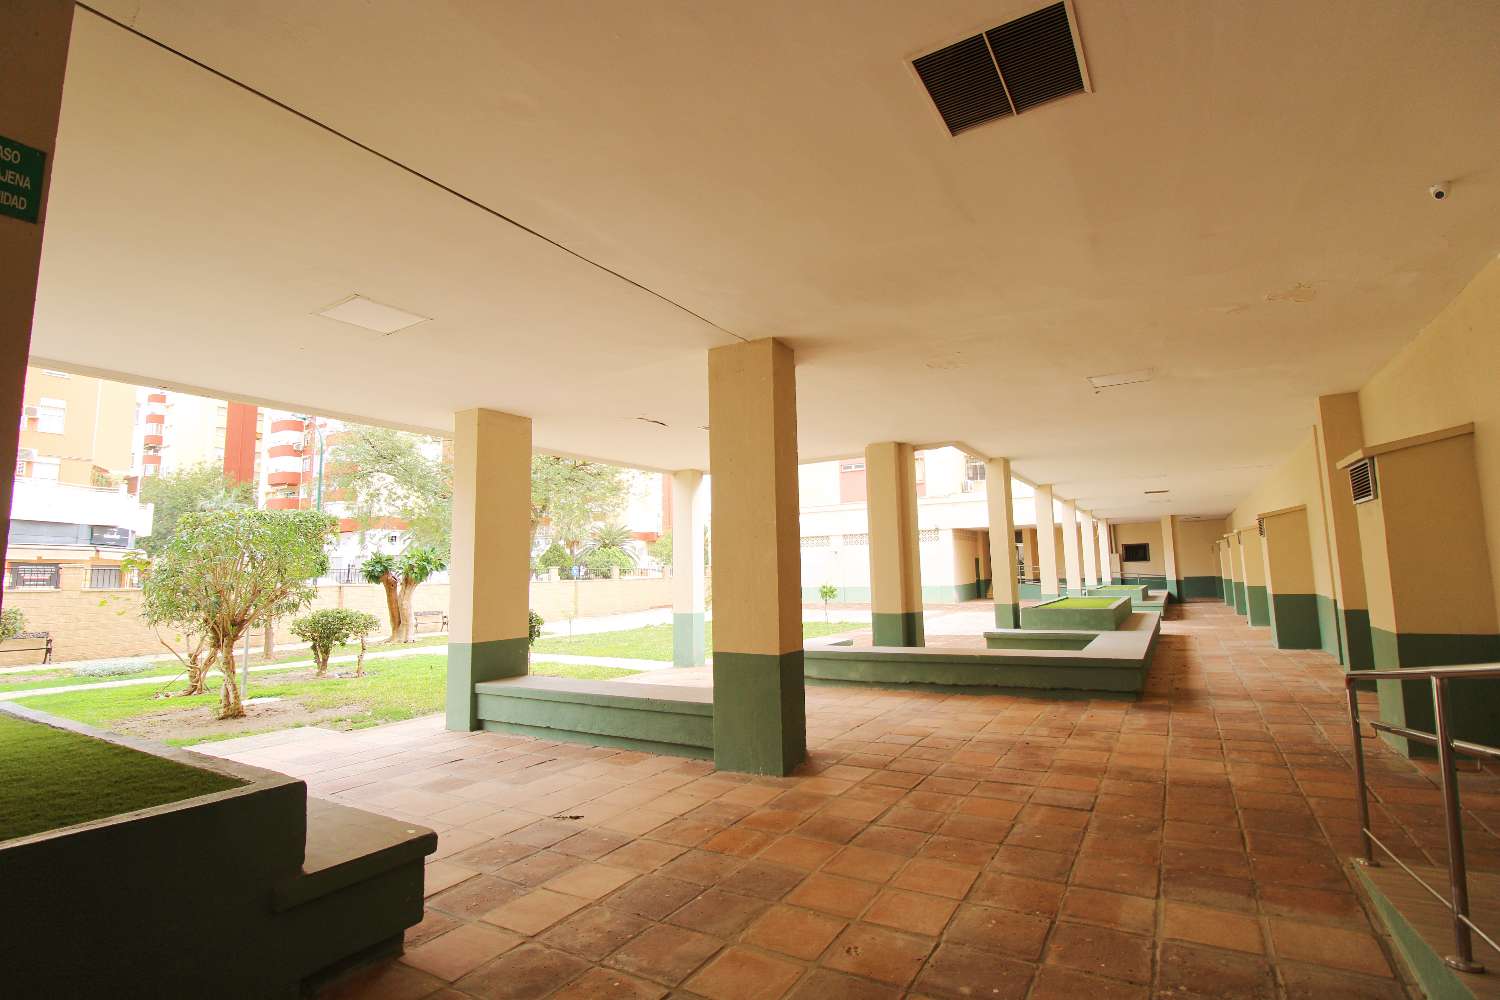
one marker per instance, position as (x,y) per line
(1188,844)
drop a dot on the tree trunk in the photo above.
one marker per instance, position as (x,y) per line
(359,661)
(320,659)
(392,606)
(230,706)
(268,643)
(406,614)
(198,669)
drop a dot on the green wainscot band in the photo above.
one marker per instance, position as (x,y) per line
(470,663)
(891,628)
(1473,705)
(1294,621)
(1007,615)
(760,714)
(1257,605)
(688,649)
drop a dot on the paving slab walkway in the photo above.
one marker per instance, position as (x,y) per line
(1189,844)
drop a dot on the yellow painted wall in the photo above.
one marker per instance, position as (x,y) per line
(1141,531)
(1448,376)
(98,425)
(1293,482)
(1196,555)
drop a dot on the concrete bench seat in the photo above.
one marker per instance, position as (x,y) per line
(1112,661)
(659,718)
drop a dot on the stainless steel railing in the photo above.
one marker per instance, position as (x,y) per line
(1457,901)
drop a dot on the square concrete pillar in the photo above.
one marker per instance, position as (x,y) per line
(33,55)
(1002,535)
(1226,576)
(687,569)
(1169,556)
(1046,541)
(1089,549)
(1427,577)
(490,570)
(1286,551)
(759,710)
(1340,432)
(1106,570)
(1253,571)
(1236,572)
(895,556)
(1073,566)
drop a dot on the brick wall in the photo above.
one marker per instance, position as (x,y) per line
(93,624)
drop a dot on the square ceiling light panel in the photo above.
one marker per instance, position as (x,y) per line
(368,314)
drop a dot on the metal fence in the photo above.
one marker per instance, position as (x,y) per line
(34,576)
(1457,900)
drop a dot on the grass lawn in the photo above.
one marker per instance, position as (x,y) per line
(654,642)
(50,778)
(390,691)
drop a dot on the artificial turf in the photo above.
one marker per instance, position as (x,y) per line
(1083,602)
(51,778)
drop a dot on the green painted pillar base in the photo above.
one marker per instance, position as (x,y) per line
(1174,590)
(1240,605)
(1227,589)
(1357,652)
(760,713)
(1294,621)
(897,629)
(688,649)
(1007,616)
(1258,606)
(1473,705)
(472,663)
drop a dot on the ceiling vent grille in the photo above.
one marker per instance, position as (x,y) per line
(1005,70)
(1362,484)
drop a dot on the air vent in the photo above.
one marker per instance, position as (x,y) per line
(1260,526)
(1362,481)
(1005,70)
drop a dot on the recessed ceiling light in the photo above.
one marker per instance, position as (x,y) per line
(1122,378)
(368,314)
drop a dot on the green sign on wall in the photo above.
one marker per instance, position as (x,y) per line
(20,180)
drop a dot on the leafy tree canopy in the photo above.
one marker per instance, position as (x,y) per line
(385,473)
(198,487)
(572,497)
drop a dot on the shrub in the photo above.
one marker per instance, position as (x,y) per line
(534,631)
(328,627)
(114,668)
(556,556)
(12,623)
(600,561)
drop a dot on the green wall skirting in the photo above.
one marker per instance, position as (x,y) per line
(471,663)
(1474,705)
(1226,590)
(1259,607)
(688,648)
(1240,605)
(1007,616)
(760,714)
(1197,587)
(1328,627)
(896,628)
(1294,621)
(1355,636)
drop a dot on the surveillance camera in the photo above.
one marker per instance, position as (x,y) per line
(1438,191)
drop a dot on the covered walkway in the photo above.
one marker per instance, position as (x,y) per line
(1189,844)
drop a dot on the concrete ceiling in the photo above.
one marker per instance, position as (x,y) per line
(1241,205)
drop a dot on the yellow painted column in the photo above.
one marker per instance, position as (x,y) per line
(1236,570)
(1090,550)
(759,710)
(1253,570)
(1286,551)
(1106,571)
(1340,432)
(688,589)
(1226,575)
(1073,566)
(1006,593)
(1029,555)
(1169,556)
(33,55)
(489,572)
(895,559)
(1046,541)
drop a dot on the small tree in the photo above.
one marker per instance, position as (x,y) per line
(326,628)
(534,630)
(400,575)
(225,570)
(828,592)
(661,550)
(13,623)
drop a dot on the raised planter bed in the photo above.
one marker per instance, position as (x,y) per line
(1102,614)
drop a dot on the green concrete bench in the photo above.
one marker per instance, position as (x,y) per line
(1090,613)
(658,718)
(1115,661)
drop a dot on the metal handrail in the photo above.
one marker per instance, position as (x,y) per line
(1458,873)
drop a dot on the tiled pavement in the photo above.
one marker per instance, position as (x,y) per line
(1188,844)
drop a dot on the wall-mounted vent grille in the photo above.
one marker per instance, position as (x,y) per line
(1260,526)
(1005,70)
(1362,483)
